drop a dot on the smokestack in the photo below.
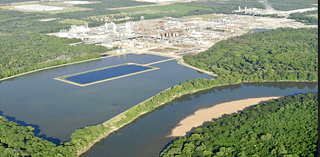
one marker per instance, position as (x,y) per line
(239,8)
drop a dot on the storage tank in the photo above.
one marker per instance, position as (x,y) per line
(118,50)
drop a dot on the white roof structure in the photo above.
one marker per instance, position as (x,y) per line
(39,8)
(76,2)
(160,1)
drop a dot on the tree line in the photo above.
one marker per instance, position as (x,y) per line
(282,54)
(292,4)
(305,17)
(30,51)
(176,10)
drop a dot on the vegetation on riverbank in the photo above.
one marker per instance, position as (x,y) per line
(281,127)
(16,140)
(309,17)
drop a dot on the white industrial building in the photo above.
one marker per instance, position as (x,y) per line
(159,1)
(79,29)
(76,2)
(39,8)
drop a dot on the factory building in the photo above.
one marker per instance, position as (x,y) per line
(39,8)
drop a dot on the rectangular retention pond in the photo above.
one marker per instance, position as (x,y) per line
(105,74)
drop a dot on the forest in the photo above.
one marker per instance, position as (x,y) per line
(24,47)
(19,55)
(306,17)
(286,5)
(276,55)
(283,127)
(178,10)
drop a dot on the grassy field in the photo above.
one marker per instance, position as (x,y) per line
(170,48)
(156,9)
(73,21)
(313,15)
(205,16)
(70,8)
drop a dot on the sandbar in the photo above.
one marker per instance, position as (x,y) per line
(207,114)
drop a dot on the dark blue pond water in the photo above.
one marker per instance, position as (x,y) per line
(106,73)
(259,30)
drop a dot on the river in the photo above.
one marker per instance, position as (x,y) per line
(147,135)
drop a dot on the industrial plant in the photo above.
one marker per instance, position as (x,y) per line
(269,10)
(171,36)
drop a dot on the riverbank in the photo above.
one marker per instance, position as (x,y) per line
(135,112)
(111,123)
(205,115)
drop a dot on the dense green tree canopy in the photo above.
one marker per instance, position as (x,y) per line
(281,54)
(282,127)
(306,17)
(24,47)
(16,140)
(292,4)
(29,51)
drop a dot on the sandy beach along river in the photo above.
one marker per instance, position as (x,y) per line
(207,114)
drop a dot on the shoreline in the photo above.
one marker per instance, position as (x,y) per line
(156,54)
(115,119)
(195,68)
(199,117)
(55,66)
(61,65)
(110,123)
(51,67)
